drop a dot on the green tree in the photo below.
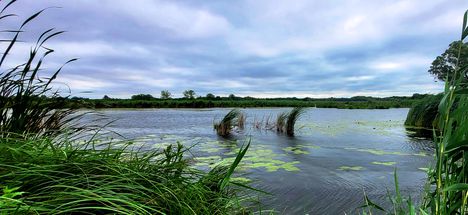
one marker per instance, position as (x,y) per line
(106,97)
(165,94)
(210,96)
(142,97)
(189,94)
(232,96)
(444,64)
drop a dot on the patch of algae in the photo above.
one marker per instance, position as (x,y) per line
(381,152)
(256,157)
(389,163)
(350,168)
(241,180)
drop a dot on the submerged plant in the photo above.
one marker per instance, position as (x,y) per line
(225,126)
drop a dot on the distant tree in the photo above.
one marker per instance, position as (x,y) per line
(165,94)
(232,96)
(106,97)
(445,64)
(142,97)
(189,94)
(210,96)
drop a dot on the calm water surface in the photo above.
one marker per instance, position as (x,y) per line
(336,156)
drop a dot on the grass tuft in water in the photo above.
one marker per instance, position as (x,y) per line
(225,126)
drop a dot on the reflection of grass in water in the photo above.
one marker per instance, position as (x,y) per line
(350,168)
(381,152)
(389,163)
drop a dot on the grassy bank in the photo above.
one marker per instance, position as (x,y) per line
(342,103)
(40,176)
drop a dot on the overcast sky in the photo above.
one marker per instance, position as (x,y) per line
(260,48)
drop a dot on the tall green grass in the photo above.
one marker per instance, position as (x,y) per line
(450,174)
(23,88)
(70,179)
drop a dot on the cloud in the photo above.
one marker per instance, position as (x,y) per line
(249,47)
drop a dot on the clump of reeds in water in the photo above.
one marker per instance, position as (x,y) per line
(231,119)
(285,121)
(280,122)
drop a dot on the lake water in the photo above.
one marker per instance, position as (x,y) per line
(335,157)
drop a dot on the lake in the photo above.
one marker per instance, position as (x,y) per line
(336,156)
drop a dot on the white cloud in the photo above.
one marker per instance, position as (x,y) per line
(183,21)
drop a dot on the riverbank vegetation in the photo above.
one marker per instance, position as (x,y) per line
(447,186)
(423,114)
(359,102)
(50,166)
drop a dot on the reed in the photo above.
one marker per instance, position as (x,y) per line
(292,118)
(28,102)
(281,122)
(68,179)
(224,127)
(450,174)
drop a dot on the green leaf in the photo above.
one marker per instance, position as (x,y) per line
(371,204)
(464,30)
(233,166)
(457,187)
(461,92)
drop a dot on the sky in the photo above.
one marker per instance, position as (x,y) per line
(259,48)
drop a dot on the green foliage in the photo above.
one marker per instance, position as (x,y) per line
(444,66)
(210,96)
(165,94)
(51,178)
(23,88)
(142,97)
(423,114)
(189,94)
(449,176)
(10,198)
(238,102)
